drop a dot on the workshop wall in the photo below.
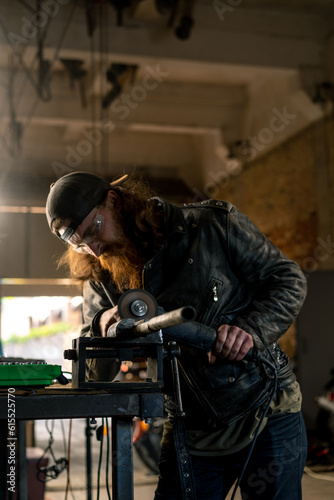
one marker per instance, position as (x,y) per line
(289,195)
(28,249)
(282,194)
(277,193)
(330,135)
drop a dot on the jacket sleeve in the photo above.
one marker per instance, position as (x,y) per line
(94,304)
(278,283)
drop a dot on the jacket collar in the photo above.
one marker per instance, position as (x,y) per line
(175,222)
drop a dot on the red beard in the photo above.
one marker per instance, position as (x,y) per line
(125,266)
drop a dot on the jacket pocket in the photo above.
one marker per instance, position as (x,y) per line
(228,390)
(209,308)
(222,374)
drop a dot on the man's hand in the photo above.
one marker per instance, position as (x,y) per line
(108,318)
(233,343)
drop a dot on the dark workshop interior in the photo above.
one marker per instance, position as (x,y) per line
(204,99)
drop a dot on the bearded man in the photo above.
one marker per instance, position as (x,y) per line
(210,256)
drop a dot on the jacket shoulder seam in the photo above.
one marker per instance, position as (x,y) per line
(219,204)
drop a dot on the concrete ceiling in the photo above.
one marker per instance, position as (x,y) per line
(189,110)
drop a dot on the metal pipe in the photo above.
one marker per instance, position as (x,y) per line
(142,328)
(165,320)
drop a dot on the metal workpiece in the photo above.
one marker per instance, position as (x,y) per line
(142,327)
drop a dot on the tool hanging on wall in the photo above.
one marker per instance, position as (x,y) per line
(186,20)
(41,84)
(120,5)
(180,12)
(119,75)
(77,74)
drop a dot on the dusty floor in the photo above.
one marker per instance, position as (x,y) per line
(318,487)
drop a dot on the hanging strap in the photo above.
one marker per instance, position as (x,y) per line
(179,432)
(183,459)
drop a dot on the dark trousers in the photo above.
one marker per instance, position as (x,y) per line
(274,471)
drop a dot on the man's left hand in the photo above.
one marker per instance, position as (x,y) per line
(233,343)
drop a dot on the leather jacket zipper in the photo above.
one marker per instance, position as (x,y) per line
(210,306)
(215,292)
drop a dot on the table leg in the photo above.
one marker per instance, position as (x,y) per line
(122,459)
(3,457)
(22,486)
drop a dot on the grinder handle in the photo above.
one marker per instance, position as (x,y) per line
(198,336)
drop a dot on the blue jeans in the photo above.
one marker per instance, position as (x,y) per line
(274,471)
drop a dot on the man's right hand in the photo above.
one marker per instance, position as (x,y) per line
(108,318)
(233,343)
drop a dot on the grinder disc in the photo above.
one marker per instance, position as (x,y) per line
(137,304)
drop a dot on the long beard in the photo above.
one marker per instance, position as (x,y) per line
(125,266)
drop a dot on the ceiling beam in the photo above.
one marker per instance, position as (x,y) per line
(269,38)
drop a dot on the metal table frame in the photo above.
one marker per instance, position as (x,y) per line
(66,403)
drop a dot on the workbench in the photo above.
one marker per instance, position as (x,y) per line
(57,402)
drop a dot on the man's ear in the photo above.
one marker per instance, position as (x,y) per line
(113,200)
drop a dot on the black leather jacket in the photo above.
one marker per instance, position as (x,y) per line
(217,261)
